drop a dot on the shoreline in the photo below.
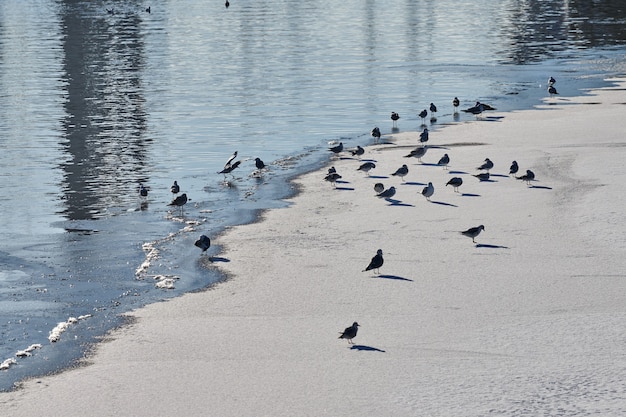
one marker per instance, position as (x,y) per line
(263,342)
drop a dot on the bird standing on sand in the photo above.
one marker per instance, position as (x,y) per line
(528,177)
(388,193)
(337,148)
(179,201)
(358,151)
(376,133)
(475,110)
(455,182)
(487,165)
(395,117)
(444,161)
(552,90)
(456,103)
(259,163)
(350,332)
(376,262)
(473,232)
(483,176)
(428,191)
(424,135)
(366,167)
(423,115)
(418,153)
(332,177)
(514,168)
(203,243)
(401,172)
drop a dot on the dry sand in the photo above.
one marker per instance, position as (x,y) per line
(528,321)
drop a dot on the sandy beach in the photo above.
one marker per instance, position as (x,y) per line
(529,320)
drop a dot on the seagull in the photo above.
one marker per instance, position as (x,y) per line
(514,168)
(179,201)
(175,189)
(473,232)
(388,193)
(424,136)
(358,151)
(423,115)
(143,191)
(203,243)
(433,109)
(228,168)
(455,104)
(528,177)
(332,170)
(350,332)
(232,157)
(428,191)
(332,177)
(395,116)
(552,90)
(455,182)
(336,149)
(376,132)
(401,172)
(376,262)
(444,161)
(487,165)
(551,81)
(259,163)
(483,176)
(379,187)
(418,153)
(366,167)
(476,110)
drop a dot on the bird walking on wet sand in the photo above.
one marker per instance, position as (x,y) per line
(528,177)
(229,168)
(203,243)
(433,110)
(394,118)
(366,167)
(401,172)
(514,168)
(552,91)
(175,189)
(418,153)
(376,262)
(337,149)
(487,165)
(332,177)
(483,176)
(473,232)
(350,332)
(376,133)
(455,182)
(423,115)
(444,161)
(424,136)
(456,103)
(179,201)
(358,151)
(388,193)
(428,191)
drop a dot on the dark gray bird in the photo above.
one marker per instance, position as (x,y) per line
(424,136)
(528,177)
(401,172)
(336,149)
(358,151)
(229,168)
(366,167)
(487,165)
(514,168)
(175,189)
(552,90)
(376,132)
(483,176)
(388,193)
(179,201)
(332,170)
(418,153)
(259,163)
(456,103)
(475,110)
(332,177)
(428,191)
(423,115)
(376,262)
(455,182)
(379,187)
(551,81)
(203,243)
(143,191)
(444,161)
(473,232)
(350,332)
(433,109)
(395,117)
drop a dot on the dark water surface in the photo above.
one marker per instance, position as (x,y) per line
(97,97)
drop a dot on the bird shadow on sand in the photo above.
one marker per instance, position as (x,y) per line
(490,118)
(443,203)
(218,259)
(394,277)
(413,183)
(469,195)
(485,245)
(399,203)
(540,187)
(366,348)
(378,177)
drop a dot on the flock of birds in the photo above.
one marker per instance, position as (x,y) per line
(377,261)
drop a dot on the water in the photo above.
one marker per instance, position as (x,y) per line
(95,103)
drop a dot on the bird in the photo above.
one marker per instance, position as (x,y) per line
(483,176)
(203,243)
(179,201)
(379,187)
(455,182)
(528,177)
(358,151)
(229,168)
(366,167)
(331,170)
(424,135)
(487,165)
(337,148)
(551,81)
(388,193)
(473,232)
(259,163)
(486,106)
(376,262)
(332,177)
(227,4)
(143,191)
(444,161)
(401,172)
(418,153)
(350,332)
(175,189)
(552,90)
(423,115)
(455,104)
(376,132)
(428,191)
(514,168)
(232,157)
(395,117)
(433,110)
(475,110)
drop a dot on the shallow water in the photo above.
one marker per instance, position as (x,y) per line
(100,96)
